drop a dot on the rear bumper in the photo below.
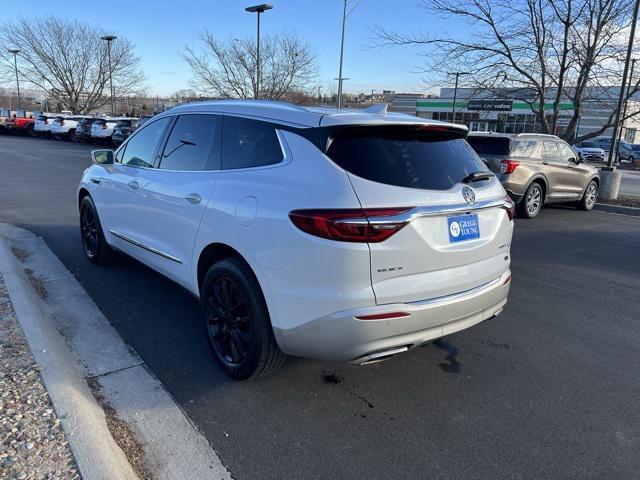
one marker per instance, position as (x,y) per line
(516,197)
(343,337)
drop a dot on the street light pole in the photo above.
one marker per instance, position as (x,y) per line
(614,136)
(455,93)
(258,9)
(344,21)
(15,52)
(626,101)
(109,39)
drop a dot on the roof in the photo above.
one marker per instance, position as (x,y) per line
(288,113)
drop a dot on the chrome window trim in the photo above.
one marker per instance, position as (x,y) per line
(145,247)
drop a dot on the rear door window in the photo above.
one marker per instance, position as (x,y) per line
(249,143)
(412,157)
(191,146)
(141,147)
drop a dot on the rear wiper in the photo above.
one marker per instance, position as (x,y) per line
(476,176)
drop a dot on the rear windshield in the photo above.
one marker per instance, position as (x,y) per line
(489,145)
(42,117)
(123,123)
(100,121)
(414,157)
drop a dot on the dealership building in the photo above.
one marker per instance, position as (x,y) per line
(507,112)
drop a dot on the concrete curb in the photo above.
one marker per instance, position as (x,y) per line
(605,207)
(75,345)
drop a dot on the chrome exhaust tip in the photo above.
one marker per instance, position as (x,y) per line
(381,356)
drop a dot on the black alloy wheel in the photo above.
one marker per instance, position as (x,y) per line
(237,321)
(228,322)
(93,243)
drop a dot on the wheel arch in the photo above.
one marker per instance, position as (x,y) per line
(542,181)
(82,192)
(213,253)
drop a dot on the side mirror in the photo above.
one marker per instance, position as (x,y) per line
(102,157)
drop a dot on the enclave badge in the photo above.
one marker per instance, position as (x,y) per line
(468,195)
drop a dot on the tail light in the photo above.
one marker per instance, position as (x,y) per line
(508,166)
(350,225)
(103,126)
(46,122)
(510,207)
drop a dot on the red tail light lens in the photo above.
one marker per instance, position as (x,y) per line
(103,126)
(508,166)
(511,211)
(350,225)
(384,316)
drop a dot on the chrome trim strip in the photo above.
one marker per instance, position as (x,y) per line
(454,296)
(435,210)
(144,247)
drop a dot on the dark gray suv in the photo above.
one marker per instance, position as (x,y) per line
(536,169)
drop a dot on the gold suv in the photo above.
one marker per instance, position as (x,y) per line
(536,169)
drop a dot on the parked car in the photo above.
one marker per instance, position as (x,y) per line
(340,236)
(83,129)
(144,119)
(123,129)
(102,129)
(4,114)
(42,124)
(625,151)
(21,122)
(536,169)
(65,126)
(590,152)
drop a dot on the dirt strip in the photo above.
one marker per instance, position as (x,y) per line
(32,443)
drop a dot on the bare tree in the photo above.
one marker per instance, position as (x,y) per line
(69,61)
(228,68)
(541,51)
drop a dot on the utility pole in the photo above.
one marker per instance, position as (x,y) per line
(613,151)
(15,52)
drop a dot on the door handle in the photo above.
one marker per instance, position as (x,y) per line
(133,185)
(193,198)
(544,162)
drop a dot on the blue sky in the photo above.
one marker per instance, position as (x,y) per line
(160,28)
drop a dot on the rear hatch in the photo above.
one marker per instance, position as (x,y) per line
(455,231)
(122,128)
(98,126)
(492,149)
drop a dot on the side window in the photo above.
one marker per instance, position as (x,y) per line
(551,153)
(249,143)
(191,144)
(566,153)
(140,148)
(523,148)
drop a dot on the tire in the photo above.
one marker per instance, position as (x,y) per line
(531,202)
(589,197)
(631,160)
(94,245)
(237,321)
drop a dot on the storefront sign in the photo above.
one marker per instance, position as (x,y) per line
(491,105)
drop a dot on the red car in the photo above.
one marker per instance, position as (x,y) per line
(20,123)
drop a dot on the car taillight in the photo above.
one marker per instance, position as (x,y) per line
(508,166)
(46,122)
(103,126)
(510,207)
(371,225)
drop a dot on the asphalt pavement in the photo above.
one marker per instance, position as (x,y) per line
(630,183)
(549,389)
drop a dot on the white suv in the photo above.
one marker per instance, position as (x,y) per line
(65,127)
(102,129)
(334,235)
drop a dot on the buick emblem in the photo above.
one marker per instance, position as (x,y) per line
(468,195)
